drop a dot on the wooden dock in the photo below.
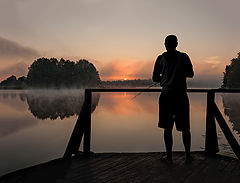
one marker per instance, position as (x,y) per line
(131,167)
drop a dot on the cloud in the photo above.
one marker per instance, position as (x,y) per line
(12,50)
(18,69)
(13,58)
(213,62)
(212,66)
(208,73)
(130,69)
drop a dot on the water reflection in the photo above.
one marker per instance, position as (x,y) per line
(43,104)
(123,104)
(231,104)
(119,124)
(51,104)
(124,125)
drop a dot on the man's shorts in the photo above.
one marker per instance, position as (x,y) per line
(174,107)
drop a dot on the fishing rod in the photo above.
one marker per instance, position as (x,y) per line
(154,84)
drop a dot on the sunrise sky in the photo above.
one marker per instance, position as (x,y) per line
(121,37)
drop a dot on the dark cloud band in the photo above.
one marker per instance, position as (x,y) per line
(10,49)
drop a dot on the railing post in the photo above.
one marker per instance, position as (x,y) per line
(87,130)
(211,142)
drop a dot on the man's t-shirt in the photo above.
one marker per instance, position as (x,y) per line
(171,69)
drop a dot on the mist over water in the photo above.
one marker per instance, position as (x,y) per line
(35,125)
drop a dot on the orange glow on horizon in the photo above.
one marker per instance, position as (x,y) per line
(115,78)
(126,68)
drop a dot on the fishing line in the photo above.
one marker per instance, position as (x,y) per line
(142,92)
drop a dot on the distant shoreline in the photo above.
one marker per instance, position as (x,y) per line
(121,84)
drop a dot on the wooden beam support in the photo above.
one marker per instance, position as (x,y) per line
(226,131)
(81,127)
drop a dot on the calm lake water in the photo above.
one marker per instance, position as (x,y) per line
(35,125)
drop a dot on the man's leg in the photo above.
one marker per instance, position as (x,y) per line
(168,142)
(186,137)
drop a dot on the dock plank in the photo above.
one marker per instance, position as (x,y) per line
(132,168)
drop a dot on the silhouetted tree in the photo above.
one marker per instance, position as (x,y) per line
(231,78)
(13,83)
(45,73)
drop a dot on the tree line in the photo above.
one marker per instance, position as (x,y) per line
(54,73)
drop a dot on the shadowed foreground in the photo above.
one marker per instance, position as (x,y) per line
(132,167)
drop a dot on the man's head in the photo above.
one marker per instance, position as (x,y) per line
(171,42)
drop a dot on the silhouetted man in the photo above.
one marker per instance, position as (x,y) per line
(170,70)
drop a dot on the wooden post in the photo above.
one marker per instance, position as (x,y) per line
(87,129)
(211,142)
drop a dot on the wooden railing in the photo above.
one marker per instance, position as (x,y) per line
(83,124)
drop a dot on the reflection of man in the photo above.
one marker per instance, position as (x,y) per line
(171,69)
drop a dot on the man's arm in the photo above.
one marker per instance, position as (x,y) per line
(157,71)
(188,67)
